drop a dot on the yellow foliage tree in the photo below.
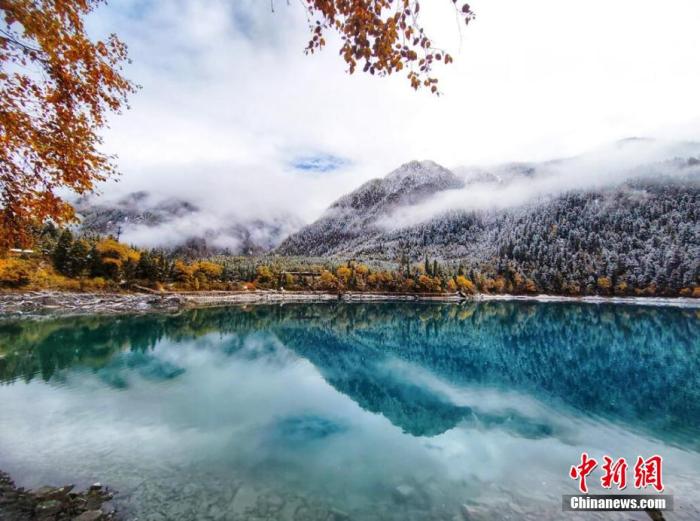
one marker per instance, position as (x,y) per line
(604,284)
(182,271)
(465,285)
(116,259)
(209,270)
(14,273)
(381,36)
(499,284)
(264,275)
(361,269)
(328,280)
(530,286)
(57,88)
(621,288)
(344,273)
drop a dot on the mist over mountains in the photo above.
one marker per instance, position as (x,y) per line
(634,224)
(424,205)
(180,226)
(629,212)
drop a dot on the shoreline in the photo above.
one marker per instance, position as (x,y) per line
(678,302)
(43,303)
(49,503)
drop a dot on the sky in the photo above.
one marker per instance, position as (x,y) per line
(235,117)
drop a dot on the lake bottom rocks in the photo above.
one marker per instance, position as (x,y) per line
(53,503)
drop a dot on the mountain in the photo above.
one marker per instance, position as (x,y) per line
(143,219)
(642,229)
(351,218)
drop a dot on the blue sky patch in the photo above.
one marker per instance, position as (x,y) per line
(319,163)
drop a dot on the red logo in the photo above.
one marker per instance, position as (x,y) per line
(647,472)
(615,472)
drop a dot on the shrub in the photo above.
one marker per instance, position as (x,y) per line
(15,273)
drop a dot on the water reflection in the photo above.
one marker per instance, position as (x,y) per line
(387,410)
(630,364)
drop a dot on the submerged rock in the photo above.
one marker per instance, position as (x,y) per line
(48,508)
(51,503)
(90,515)
(404,492)
(52,492)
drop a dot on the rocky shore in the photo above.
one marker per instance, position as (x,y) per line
(54,503)
(680,302)
(37,303)
(65,303)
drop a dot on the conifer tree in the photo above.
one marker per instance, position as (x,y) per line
(62,253)
(147,268)
(79,258)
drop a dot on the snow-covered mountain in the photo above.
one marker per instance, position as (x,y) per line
(353,218)
(629,212)
(562,222)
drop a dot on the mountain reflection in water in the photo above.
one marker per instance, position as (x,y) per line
(465,390)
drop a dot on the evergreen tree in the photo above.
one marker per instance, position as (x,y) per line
(95,263)
(62,253)
(147,268)
(79,258)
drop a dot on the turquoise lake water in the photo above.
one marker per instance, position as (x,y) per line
(353,411)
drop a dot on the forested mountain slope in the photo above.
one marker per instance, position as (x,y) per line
(643,233)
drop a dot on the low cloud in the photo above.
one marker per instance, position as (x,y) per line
(233,117)
(244,204)
(504,186)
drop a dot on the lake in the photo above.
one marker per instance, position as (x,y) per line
(410,411)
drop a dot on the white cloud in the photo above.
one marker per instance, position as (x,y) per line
(229,99)
(603,166)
